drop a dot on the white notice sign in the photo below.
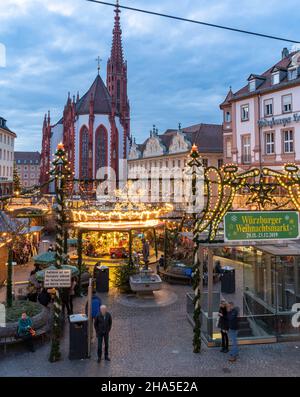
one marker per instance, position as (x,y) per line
(60,278)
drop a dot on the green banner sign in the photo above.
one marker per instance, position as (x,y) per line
(261,225)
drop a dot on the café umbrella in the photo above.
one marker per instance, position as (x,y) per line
(40,275)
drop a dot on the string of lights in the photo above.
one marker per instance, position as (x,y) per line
(212,25)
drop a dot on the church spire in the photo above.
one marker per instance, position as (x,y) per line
(117,48)
(116,80)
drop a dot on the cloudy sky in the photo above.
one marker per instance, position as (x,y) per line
(178,72)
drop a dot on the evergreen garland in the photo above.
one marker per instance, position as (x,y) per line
(61,172)
(194,163)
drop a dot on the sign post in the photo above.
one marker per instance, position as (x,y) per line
(261,225)
(58,278)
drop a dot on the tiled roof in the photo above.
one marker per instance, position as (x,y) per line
(3,126)
(101,96)
(27,157)
(266,78)
(208,138)
(9,225)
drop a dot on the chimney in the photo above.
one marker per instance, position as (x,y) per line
(285,53)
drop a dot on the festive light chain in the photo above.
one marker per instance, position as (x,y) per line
(229,182)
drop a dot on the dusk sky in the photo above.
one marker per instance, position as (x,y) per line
(177,71)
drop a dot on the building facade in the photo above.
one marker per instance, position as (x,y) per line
(164,156)
(261,121)
(95,128)
(7,144)
(28,167)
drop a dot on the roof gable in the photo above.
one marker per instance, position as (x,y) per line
(101,97)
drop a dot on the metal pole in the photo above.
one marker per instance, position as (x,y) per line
(155,243)
(90,321)
(79,253)
(210,291)
(130,248)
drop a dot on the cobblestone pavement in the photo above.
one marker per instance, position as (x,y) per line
(154,342)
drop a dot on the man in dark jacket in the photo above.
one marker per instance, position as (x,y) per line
(102,324)
(233,325)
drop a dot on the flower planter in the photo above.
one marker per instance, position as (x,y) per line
(38,321)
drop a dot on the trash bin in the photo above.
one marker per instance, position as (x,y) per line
(102,279)
(228,280)
(78,337)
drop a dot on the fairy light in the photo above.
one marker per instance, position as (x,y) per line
(223,185)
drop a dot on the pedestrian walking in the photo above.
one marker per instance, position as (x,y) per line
(25,331)
(102,324)
(223,325)
(233,326)
(65,300)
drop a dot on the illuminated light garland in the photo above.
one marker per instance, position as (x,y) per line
(229,182)
(119,214)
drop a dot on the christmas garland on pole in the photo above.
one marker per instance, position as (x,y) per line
(61,172)
(194,164)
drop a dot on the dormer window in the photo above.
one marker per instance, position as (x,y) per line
(255,81)
(252,85)
(275,78)
(2,122)
(292,74)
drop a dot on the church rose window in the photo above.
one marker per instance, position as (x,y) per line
(100,148)
(84,153)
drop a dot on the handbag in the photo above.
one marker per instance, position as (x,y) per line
(32,331)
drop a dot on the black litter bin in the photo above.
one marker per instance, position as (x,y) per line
(228,280)
(78,337)
(102,279)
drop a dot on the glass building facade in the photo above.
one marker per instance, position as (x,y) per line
(267,290)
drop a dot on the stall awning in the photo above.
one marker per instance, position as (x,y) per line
(45,258)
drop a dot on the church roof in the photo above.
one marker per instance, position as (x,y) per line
(101,97)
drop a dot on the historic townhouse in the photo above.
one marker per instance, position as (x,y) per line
(28,167)
(261,124)
(7,143)
(168,154)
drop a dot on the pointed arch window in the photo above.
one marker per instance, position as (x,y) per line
(84,153)
(101,148)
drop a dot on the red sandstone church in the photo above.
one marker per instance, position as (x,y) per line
(95,128)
